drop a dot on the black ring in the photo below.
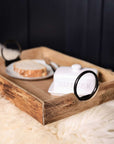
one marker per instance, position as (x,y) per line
(7,62)
(13,41)
(86,97)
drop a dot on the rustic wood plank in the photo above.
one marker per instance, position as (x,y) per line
(22,99)
(68,105)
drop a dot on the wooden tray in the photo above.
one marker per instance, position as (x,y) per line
(33,97)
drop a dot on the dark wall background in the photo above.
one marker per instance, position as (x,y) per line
(80,28)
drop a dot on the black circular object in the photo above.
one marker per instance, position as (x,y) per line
(16,43)
(86,97)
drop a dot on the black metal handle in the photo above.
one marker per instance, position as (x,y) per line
(86,97)
(7,62)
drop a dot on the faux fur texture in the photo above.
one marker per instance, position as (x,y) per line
(93,126)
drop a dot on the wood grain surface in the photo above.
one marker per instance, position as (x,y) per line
(33,97)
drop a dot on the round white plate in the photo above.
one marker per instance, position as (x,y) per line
(12,73)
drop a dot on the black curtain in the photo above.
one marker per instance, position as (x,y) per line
(80,28)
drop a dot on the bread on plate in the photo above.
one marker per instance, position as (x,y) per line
(30,68)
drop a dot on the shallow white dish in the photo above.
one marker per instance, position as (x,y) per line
(12,73)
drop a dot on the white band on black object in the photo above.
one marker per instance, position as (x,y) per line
(85,97)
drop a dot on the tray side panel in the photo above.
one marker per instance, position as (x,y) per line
(68,105)
(22,99)
(65,60)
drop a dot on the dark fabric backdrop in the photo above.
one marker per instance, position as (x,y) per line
(80,28)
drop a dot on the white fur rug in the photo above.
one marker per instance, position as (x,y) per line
(94,126)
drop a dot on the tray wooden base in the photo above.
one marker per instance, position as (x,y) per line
(33,97)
